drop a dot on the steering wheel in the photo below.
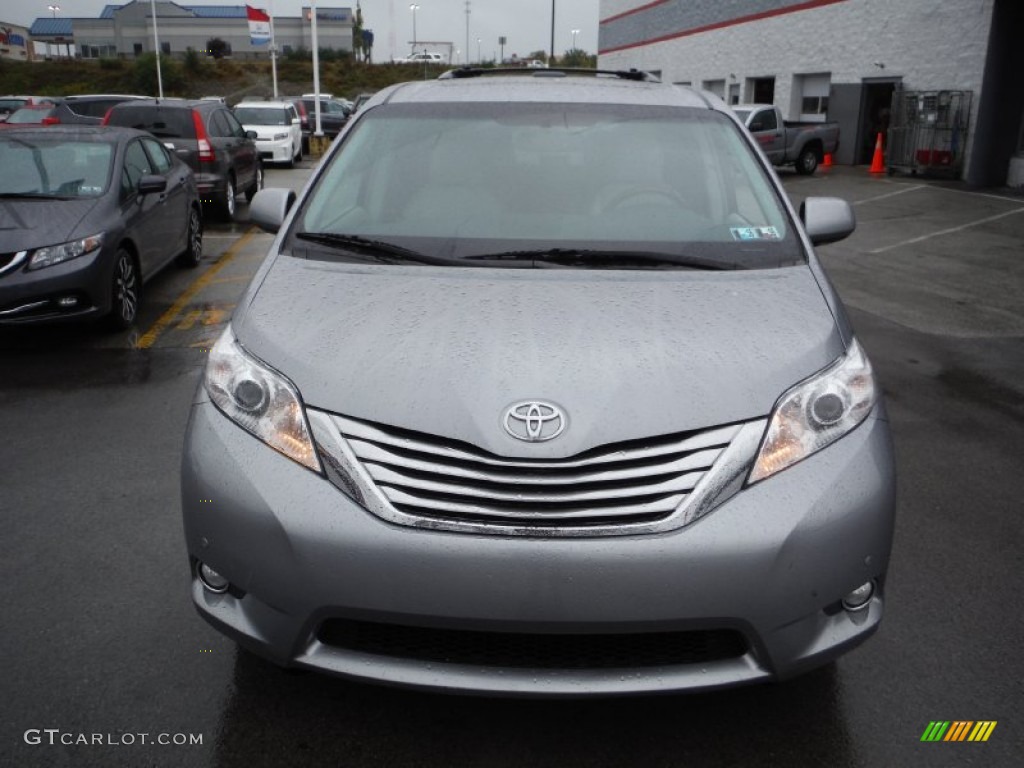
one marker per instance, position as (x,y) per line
(644,195)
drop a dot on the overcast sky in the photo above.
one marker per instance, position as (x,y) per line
(526,23)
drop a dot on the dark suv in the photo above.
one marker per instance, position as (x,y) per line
(88,109)
(207,138)
(333,115)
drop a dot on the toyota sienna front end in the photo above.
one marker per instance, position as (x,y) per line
(541,389)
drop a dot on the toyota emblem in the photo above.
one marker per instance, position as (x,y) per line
(533,421)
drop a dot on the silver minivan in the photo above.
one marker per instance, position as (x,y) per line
(541,390)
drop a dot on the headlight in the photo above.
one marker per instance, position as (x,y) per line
(280,136)
(817,412)
(55,254)
(260,400)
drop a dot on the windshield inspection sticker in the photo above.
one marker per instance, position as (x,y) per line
(754,233)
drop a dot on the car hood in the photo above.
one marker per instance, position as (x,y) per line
(624,354)
(28,224)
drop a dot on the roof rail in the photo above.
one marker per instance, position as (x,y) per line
(622,74)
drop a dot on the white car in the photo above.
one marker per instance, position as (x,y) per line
(422,58)
(278,129)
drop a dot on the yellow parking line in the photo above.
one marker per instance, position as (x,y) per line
(148,339)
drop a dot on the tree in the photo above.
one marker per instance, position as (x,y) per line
(578,58)
(145,79)
(217,48)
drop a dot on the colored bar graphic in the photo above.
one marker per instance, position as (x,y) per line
(935,731)
(982,730)
(959,730)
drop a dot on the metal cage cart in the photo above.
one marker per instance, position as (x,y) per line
(928,131)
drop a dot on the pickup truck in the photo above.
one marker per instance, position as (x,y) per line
(422,58)
(786,142)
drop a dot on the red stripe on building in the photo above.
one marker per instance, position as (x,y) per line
(634,10)
(805,6)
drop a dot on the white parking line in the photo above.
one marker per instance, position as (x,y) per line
(948,231)
(890,194)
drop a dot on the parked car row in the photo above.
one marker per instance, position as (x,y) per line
(51,110)
(104,191)
(90,214)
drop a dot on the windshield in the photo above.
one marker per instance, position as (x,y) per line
(262,116)
(40,167)
(464,180)
(27,115)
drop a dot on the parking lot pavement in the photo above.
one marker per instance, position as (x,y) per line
(99,636)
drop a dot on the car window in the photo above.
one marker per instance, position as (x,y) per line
(161,121)
(262,116)
(92,107)
(458,179)
(217,125)
(234,127)
(54,167)
(10,105)
(767,119)
(136,165)
(29,115)
(158,156)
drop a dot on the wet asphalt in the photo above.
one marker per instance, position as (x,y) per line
(99,640)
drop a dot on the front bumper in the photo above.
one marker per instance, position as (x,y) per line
(31,297)
(275,151)
(771,564)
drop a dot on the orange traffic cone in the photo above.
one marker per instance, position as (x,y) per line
(878,162)
(827,162)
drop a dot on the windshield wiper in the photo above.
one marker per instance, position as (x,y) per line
(376,248)
(32,196)
(607,259)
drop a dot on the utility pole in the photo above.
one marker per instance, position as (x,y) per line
(467,32)
(551,56)
(156,49)
(273,48)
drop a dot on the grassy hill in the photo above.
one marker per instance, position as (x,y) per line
(197,76)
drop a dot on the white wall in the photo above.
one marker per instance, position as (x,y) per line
(930,44)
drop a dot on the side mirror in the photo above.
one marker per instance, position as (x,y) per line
(250,134)
(827,219)
(269,208)
(296,121)
(151,184)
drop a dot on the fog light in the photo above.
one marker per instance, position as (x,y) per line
(67,301)
(859,598)
(212,580)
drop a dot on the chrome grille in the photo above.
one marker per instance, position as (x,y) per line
(639,481)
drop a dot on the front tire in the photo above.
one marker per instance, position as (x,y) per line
(807,163)
(125,291)
(193,252)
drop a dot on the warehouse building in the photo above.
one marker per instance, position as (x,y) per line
(954,66)
(126,31)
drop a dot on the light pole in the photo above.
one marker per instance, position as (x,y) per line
(467,33)
(551,56)
(414,8)
(479,58)
(156,50)
(53,9)
(575,32)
